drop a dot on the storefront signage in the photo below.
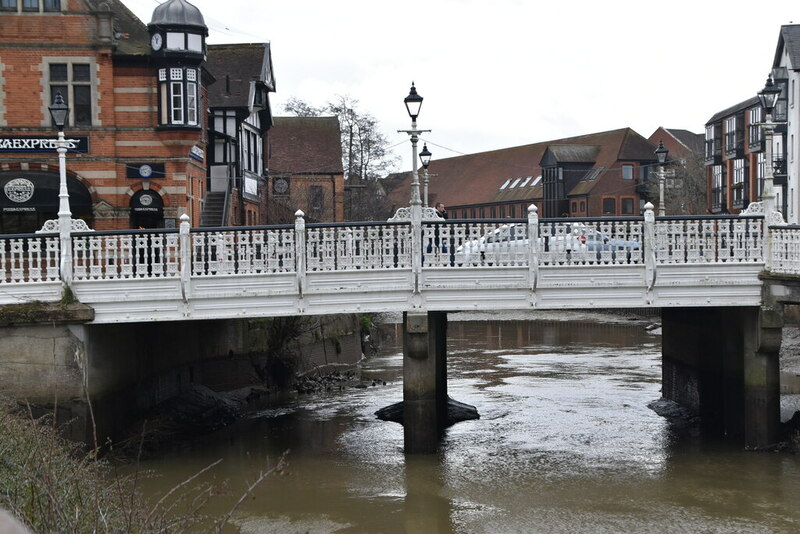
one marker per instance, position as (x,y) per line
(147,202)
(197,153)
(42,144)
(19,190)
(145,171)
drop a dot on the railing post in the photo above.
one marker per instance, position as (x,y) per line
(186,256)
(768,243)
(533,245)
(416,245)
(649,245)
(300,251)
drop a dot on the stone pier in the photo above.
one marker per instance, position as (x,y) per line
(424,380)
(722,364)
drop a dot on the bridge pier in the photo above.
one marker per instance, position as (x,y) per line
(722,364)
(424,380)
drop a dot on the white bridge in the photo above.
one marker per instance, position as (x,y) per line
(314,269)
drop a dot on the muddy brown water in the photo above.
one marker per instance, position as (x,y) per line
(565,443)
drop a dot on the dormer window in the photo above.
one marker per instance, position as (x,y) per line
(178,96)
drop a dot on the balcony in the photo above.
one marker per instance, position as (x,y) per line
(713,154)
(734,143)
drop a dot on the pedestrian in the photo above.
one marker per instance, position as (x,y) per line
(440,210)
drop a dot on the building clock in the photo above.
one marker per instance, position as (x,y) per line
(155,41)
(280,186)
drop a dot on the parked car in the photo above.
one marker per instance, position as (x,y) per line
(509,241)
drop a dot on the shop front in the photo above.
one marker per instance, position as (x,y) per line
(147,209)
(29,198)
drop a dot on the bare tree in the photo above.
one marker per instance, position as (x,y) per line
(685,188)
(366,155)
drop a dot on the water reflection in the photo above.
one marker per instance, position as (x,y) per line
(565,443)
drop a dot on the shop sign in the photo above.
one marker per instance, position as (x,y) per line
(197,153)
(41,144)
(146,171)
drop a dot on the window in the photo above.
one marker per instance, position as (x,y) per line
(710,137)
(755,126)
(179,98)
(609,206)
(716,187)
(730,133)
(493,212)
(74,82)
(583,206)
(251,151)
(512,210)
(574,207)
(317,197)
(626,204)
(464,213)
(627,172)
(502,212)
(738,183)
(30,5)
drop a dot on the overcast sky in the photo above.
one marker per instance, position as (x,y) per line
(503,73)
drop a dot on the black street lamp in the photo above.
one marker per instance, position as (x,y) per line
(768,97)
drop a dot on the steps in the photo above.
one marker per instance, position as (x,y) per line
(213,209)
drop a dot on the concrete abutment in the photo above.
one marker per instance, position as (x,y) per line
(99,378)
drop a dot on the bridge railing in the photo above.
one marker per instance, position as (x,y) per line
(452,244)
(785,249)
(356,246)
(591,241)
(29,258)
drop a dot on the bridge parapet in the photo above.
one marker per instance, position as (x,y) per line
(370,266)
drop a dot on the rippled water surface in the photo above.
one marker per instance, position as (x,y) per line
(565,443)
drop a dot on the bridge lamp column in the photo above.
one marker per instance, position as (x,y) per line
(661,154)
(59,111)
(425,159)
(768,98)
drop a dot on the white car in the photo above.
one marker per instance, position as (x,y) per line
(509,243)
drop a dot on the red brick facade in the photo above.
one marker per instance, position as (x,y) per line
(123,132)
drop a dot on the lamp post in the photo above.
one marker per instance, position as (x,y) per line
(425,158)
(59,111)
(661,154)
(768,97)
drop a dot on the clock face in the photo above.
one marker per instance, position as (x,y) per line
(155,41)
(281,185)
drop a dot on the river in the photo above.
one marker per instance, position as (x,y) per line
(565,443)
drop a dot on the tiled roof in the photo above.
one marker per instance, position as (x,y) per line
(305,145)
(478,178)
(234,66)
(789,38)
(741,106)
(691,140)
(132,37)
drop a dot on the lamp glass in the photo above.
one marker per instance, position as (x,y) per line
(413,103)
(661,153)
(769,95)
(59,111)
(425,156)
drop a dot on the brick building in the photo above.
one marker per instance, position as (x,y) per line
(142,153)
(305,169)
(594,175)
